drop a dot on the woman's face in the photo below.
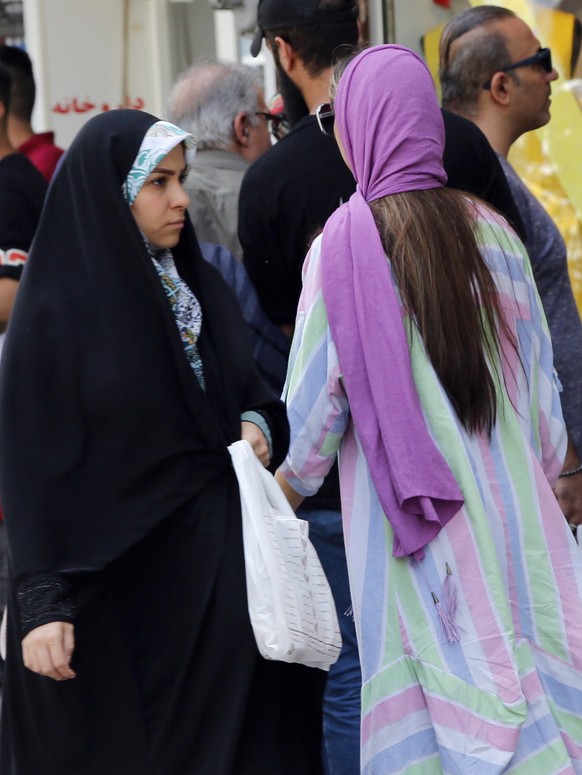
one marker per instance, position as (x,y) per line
(159,208)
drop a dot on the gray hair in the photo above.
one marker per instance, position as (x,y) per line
(206,98)
(465,66)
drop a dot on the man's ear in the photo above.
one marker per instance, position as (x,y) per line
(286,54)
(500,90)
(240,128)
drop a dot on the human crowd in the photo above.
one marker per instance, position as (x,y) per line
(373,258)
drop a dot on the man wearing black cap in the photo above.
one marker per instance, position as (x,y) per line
(286,198)
(290,193)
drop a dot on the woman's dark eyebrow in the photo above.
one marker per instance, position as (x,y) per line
(165,171)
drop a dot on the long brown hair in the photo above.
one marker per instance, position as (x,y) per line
(449,292)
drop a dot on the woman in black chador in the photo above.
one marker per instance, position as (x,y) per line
(126,374)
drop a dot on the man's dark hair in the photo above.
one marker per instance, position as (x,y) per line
(463,73)
(316,44)
(23,86)
(5,87)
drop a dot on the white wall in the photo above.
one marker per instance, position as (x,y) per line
(89,55)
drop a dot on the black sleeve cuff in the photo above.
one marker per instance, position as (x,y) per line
(44,598)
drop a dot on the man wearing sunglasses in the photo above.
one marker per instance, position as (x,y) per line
(222,105)
(494,72)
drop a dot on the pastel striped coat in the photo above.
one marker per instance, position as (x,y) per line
(507,695)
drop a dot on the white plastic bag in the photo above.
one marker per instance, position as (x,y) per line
(291,606)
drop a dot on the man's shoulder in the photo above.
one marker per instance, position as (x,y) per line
(44,141)
(18,162)
(304,141)
(544,242)
(43,153)
(22,191)
(507,166)
(18,175)
(304,159)
(525,200)
(514,179)
(218,159)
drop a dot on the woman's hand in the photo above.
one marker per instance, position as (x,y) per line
(47,650)
(256,438)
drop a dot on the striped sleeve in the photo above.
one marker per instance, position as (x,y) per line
(316,401)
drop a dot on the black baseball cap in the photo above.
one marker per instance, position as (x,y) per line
(281,14)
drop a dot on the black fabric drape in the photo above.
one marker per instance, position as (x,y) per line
(104,430)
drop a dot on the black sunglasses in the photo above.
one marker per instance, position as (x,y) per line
(543,58)
(325,118)
(275,121)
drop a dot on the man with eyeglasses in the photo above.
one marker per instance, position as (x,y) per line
(223,106)
(494,72)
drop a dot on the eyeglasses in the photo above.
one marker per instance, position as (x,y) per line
(275,120)
(325,118)
(543,58)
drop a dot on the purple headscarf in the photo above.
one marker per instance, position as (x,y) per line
(391,128)
(392,132)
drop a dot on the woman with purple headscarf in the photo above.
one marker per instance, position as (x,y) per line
(422,358)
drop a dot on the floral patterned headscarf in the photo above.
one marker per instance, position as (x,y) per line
(161,138)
